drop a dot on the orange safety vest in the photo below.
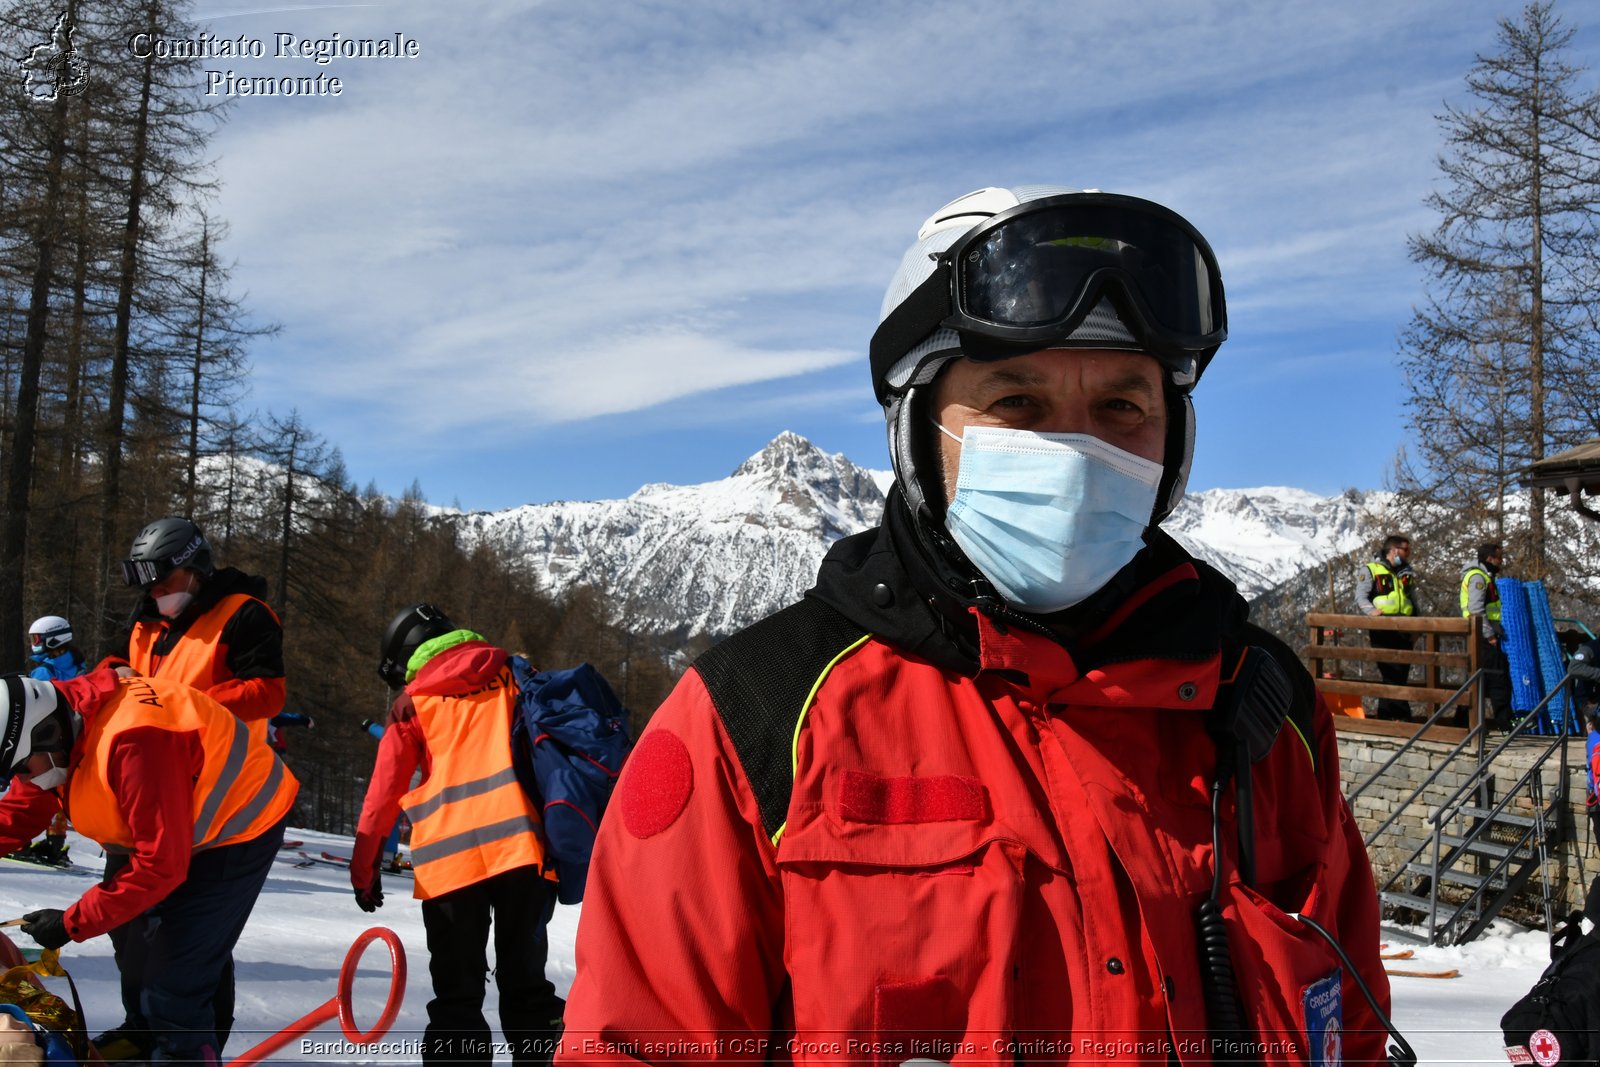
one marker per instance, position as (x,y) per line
(242,791)
(470,819)
(197,658)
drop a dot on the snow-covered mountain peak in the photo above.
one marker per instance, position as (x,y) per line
(1261,537)
(713,557)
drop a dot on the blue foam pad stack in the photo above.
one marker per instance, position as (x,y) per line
(1517,620)
(1552,664)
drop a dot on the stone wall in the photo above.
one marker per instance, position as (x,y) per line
(1361,754)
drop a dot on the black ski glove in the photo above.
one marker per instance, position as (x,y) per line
(47,927)
(371,897)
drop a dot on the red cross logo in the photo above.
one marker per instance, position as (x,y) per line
(1546,1048)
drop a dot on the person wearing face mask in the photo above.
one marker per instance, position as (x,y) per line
(208,628)
(159,773)
(1016,777)
(1385,587)
(1481,597)
(204,626)
(50,647)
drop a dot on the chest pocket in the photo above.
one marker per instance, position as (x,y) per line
(877,852)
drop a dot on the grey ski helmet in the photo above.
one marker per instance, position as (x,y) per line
(922,325)
(405,633)
(33,718)
(164,546)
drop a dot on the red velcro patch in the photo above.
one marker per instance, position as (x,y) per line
(922,1013)
(868,798)
(656,783)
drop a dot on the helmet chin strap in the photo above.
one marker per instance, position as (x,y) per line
(1179,454)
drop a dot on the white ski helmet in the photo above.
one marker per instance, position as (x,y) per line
(33,718)
(1003,272)
(50,632)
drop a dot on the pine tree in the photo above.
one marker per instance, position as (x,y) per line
(1500,359)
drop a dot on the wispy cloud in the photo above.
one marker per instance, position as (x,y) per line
(645,202)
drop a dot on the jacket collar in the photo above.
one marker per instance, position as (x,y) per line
(1164,606)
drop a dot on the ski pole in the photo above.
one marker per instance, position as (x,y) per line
(341,1004)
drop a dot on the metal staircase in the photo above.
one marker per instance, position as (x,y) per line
(1488,839)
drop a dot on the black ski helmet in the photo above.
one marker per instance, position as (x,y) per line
(164,546)
(405,633)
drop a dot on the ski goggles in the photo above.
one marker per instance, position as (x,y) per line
(144,572)
(1026,278)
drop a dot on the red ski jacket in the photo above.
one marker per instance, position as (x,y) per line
(161,772)
(993,851)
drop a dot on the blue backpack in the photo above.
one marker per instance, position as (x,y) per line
(569,738)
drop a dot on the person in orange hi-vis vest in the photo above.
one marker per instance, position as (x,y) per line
(162,774)
(477,842)
(211,629)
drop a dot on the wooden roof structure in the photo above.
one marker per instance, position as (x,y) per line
(1573,472)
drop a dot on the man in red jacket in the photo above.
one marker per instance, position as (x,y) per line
(162,774)
(1017,779)
(477,842)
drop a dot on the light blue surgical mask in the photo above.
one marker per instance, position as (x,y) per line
(1048,518)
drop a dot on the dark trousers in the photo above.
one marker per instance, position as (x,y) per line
(1393,673)
(520,904)
(1497,685)
(176,959)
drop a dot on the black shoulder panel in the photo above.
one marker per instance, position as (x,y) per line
(1303,706)
(759,680)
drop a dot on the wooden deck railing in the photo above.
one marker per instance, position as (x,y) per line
(1339,640)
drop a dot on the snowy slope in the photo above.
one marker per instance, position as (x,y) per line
(714,557)
(289,958)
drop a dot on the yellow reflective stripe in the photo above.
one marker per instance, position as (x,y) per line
(1305,742)
(467,840)
(466,790)
(248,814)
(238,749)
(805,709)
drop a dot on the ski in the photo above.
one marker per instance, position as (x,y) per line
(291,844)
(1452,973)
(65,868)
(344,861)
(1403,954)
(308,857)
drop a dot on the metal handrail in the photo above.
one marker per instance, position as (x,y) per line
(1445,706)
(1450,810)
(1461,745)
(1560,739)
(1580,624)
(1473,783)
(1533,781)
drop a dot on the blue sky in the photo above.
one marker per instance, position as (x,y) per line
(572,248)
